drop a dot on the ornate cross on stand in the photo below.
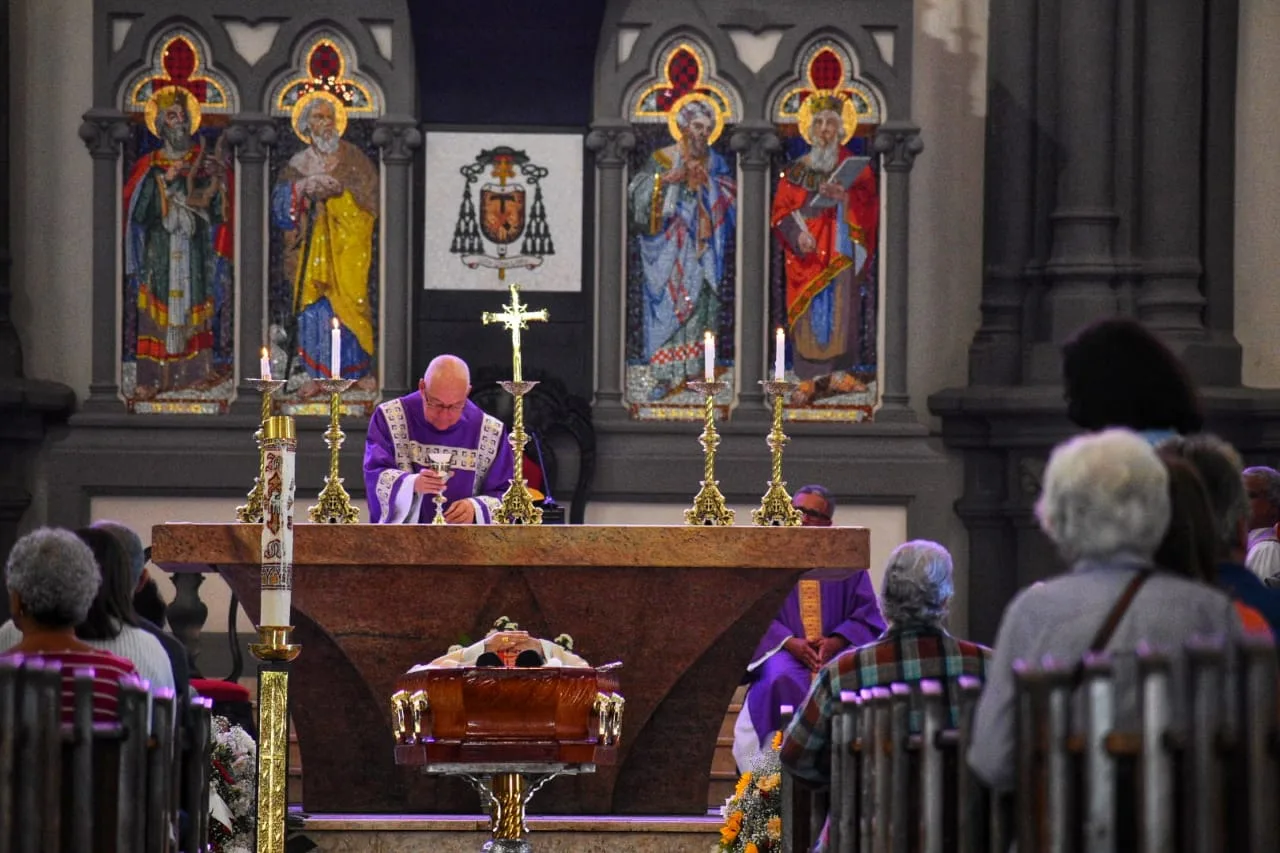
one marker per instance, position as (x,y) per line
(517,504)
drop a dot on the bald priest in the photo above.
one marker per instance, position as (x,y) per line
(437,418)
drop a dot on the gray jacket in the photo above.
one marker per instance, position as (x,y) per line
(1060,617)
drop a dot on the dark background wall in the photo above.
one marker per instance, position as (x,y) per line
(508,64)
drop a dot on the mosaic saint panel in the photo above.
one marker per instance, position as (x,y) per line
(324,223)
(824,260)
(178,215)
(681,236)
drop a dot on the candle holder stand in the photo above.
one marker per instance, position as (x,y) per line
(517,503)
(708,505)
(250,512)
(775,508)
(334,505)
(275,655)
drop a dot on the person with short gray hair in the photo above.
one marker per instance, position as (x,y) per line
(915,595)
(53,579)
(1105,505)
(1262,485)
(1218,465)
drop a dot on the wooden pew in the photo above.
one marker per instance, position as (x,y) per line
(83,786)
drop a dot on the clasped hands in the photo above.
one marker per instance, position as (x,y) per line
(815,654)
(428,482)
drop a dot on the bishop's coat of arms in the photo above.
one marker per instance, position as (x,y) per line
(486,235)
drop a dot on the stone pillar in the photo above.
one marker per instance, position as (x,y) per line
(10,345)
(1082,263)
(102,131)
(252,135)
(1172,114)
(995,356)
(397,136)
(898,143)
(610,141)
(755,143)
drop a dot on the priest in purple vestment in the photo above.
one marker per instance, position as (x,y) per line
(827,612)
(438,417)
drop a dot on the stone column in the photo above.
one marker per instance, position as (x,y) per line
(102,131)
(995,356)
(1081,263)
(10,345)
(610,141)
(1172,116)
(755,143)
(397,136)
(898,143)
(252,135)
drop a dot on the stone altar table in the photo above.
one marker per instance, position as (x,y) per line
(682,607)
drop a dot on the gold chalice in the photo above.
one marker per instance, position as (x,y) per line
(441,462)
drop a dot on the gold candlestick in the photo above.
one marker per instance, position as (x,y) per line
(708,505)
(275,654)
(251,511)
(517,504)
(775,507)
(334,506)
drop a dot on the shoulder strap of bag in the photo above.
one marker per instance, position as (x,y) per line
(1112,621)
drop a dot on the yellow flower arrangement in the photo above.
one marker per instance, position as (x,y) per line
(753,813)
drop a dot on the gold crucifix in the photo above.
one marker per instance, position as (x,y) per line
(515,318)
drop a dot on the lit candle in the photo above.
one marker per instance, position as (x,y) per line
(264,366)
(335,350)
(779,350)
(709,356)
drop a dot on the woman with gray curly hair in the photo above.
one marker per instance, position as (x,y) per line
(914,597)
(52,579)
(1105,505)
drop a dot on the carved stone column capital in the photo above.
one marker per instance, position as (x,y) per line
(755,145)
(253,135)
(611,144)
(103,131)
(900,143)
(397,136)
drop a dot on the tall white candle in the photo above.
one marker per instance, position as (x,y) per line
(779,349)
(709,356)
(335,351)
(279,484)
(264,365)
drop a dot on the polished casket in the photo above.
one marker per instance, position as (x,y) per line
(682,608)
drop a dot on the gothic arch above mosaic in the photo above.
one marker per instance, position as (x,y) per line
(682,233)
(324,244)
(178,215)
(824,279)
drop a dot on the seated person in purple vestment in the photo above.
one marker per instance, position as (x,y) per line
(436,418)
(826,613)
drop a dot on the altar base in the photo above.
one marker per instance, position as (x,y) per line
(465,833)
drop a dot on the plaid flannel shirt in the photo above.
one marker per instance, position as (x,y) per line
(903,655)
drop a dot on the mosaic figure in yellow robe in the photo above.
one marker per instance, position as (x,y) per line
(326,204)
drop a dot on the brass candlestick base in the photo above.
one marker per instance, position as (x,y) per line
(517,504)
(708,505)
(273,644)
(275,653)
(251,511)
(775,507)
(334,506)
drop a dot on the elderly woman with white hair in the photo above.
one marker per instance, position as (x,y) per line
(52,579)
(914,596)
(1105,505)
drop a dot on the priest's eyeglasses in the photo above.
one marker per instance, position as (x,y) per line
(437,406)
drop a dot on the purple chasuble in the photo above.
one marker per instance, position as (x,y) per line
(849,608)
(397,447)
